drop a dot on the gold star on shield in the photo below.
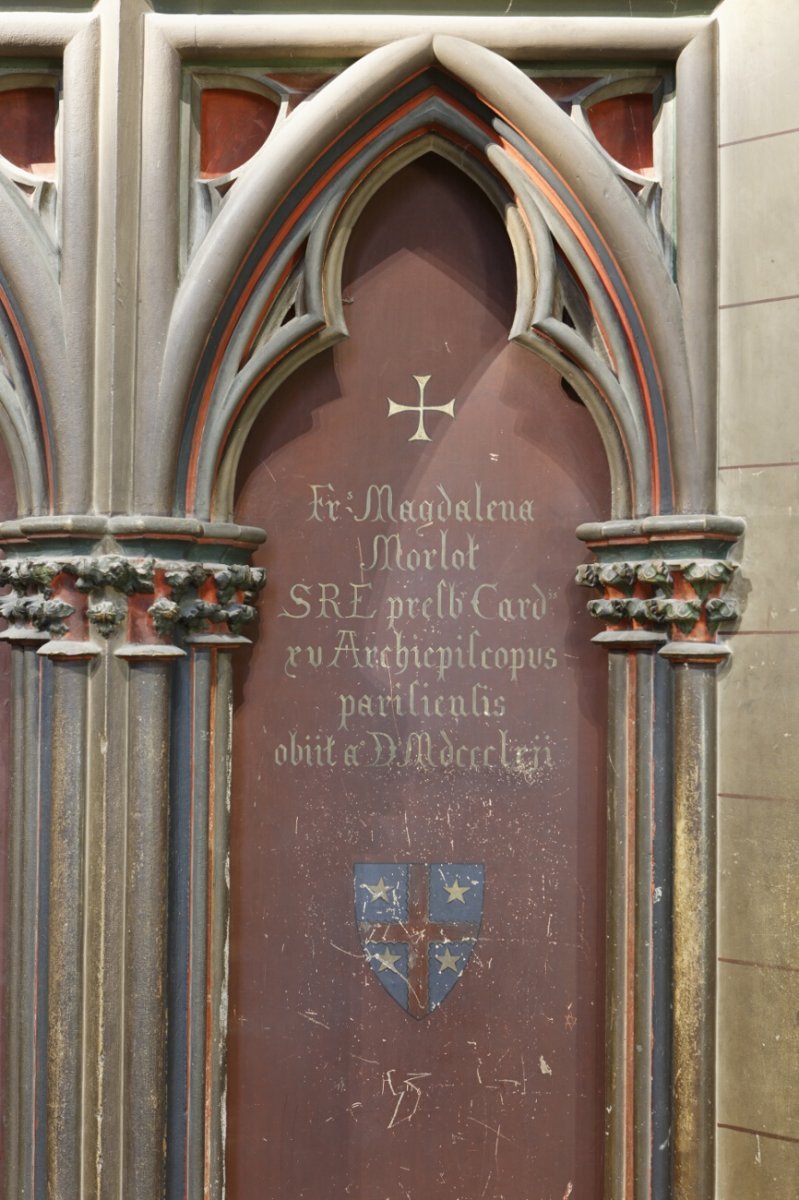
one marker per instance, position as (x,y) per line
(448,961)
(387,960)
(457,891)
(379,890)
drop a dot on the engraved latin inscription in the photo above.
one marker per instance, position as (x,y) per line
(431,637)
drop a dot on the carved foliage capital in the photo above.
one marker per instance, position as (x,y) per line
(680,597)
(144,598)
(205,597)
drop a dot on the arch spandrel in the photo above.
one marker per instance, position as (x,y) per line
(560,184)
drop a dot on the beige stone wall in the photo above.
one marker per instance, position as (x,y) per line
(758,1109)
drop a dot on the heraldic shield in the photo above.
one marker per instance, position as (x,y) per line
(418,924)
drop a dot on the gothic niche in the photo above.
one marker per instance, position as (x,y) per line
(418,808)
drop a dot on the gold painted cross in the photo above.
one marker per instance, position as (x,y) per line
(421,408)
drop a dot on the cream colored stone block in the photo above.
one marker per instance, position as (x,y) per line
(758,1049)
(758,184)
(758,724)
(758,372)
(756,1168)
(759,881)
(767,585)
(758,51)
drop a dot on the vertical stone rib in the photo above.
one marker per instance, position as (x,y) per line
(65,960)
(160,246)
(618,1100)
(200,766)
(25,1029)
(179,932)
(662,840)
(12,1114)
(106,803)
(144,1085)
(219,905)
(78,201)
(697,251)
(199,890)
(644,948)
(30,921)
(119,168)
(694,931)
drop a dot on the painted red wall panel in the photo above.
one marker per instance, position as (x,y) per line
(27,128)
(233,125)
(623,125)
(426,698)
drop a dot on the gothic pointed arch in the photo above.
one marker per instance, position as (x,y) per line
(594,294)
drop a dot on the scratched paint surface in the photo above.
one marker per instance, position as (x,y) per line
(423,691)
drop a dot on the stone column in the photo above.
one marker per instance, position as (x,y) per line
(638,935)
(120,629)
(661,581)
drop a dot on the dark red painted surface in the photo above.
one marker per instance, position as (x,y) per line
(624,126)
(233,125)
(334,1090)
(27,128)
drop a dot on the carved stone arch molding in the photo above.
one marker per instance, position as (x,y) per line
(126,399)
(32,355)
(280,220)
(46,264)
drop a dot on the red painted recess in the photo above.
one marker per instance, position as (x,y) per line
(233,125)
(624,127)
(27,128)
